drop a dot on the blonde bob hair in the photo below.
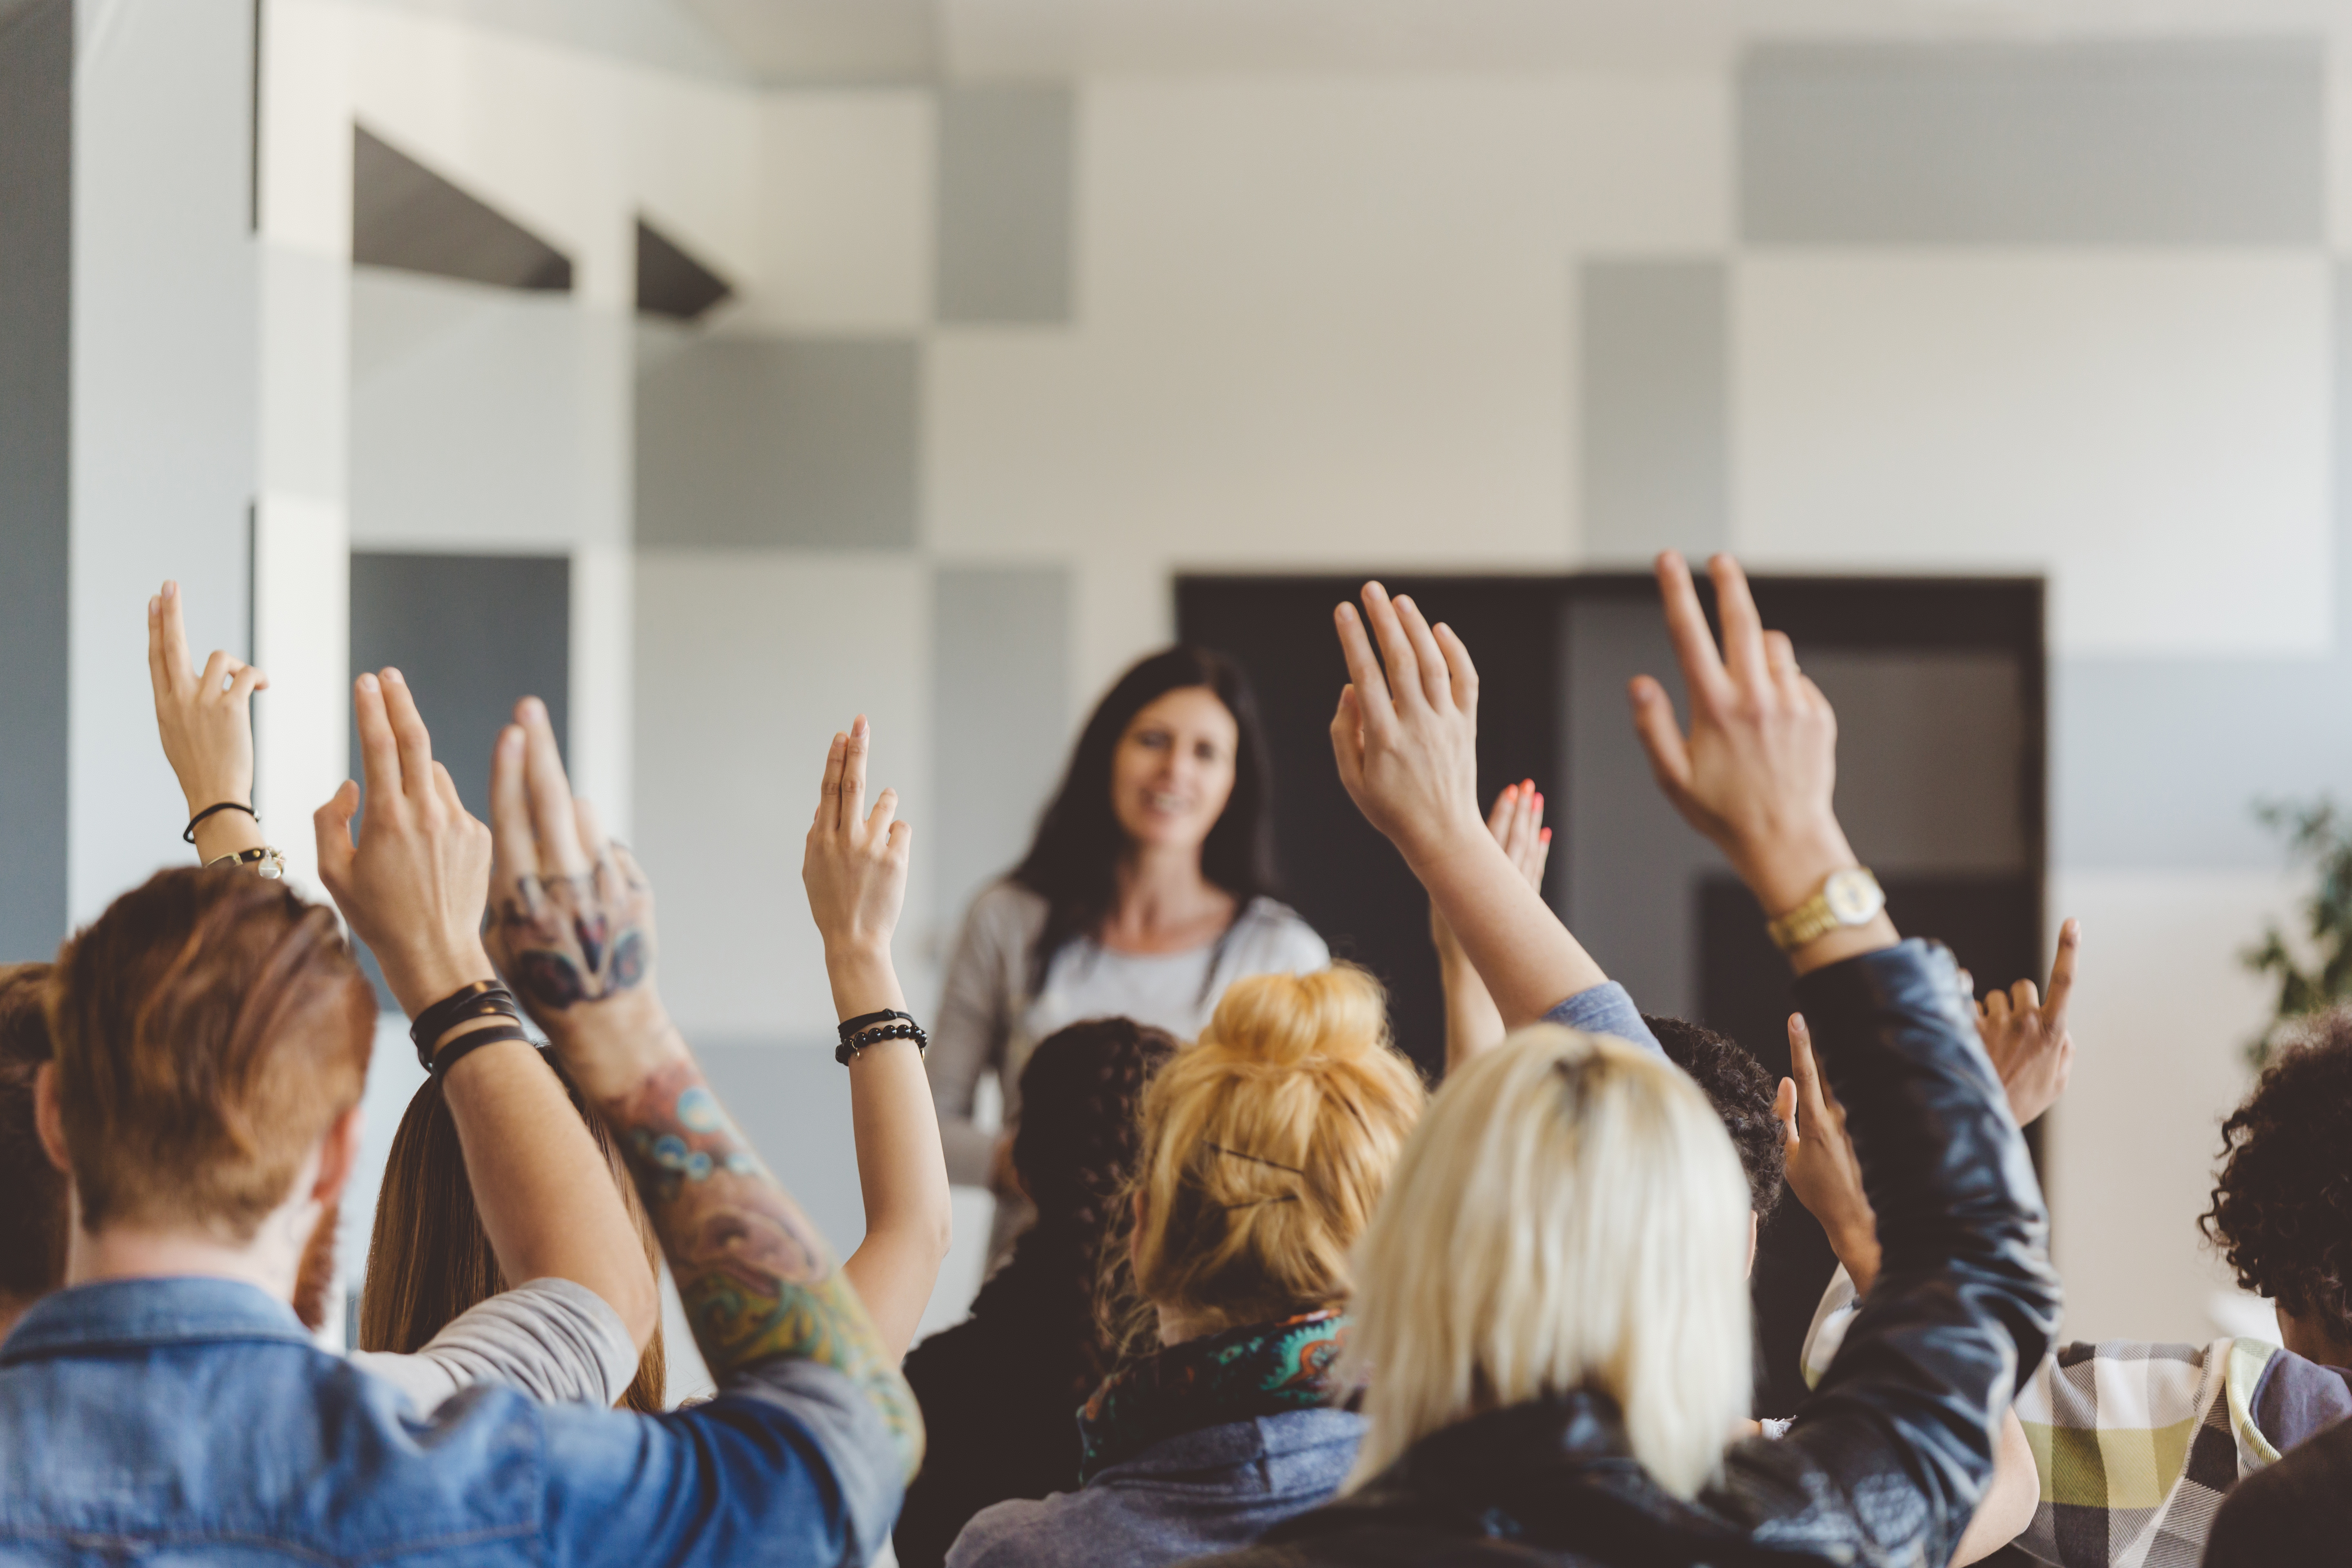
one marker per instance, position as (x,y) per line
(1570,1215)
(1266,1148)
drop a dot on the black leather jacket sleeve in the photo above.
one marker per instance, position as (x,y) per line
(1965,1303)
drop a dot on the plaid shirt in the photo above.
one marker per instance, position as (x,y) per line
(2136,1443)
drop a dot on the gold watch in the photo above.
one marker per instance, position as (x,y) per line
(1848,898)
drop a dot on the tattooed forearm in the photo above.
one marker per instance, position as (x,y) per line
(757,1279)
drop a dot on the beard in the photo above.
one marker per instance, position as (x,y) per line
(315,1280)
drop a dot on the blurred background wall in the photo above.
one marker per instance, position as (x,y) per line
(722,369)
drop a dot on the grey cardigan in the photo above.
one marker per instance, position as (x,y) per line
(1207,1491)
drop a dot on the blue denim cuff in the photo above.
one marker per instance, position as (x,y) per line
(1606,1009)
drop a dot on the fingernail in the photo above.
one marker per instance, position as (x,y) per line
(170,588)
(367,683)
(534,707)
(393,676)
(857,731)
(1545,836)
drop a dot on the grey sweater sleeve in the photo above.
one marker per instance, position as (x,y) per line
(558,1341)
(968,1039)
(1606,1009)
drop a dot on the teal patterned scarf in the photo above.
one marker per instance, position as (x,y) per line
(1260,1369)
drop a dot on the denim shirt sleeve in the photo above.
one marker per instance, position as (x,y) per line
(1606,1009)
(791,1465)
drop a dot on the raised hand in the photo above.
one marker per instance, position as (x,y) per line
(413,886)
(854,864)
(2027,1037)
(1406,740)
(854,868)
(206,720)
(1822,1169)
(572,916)
(1756,772)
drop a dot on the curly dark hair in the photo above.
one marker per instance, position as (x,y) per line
(2281,1210)
(1741,1090)
(1073,1151)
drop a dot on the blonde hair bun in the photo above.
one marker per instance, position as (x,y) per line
(1334,1015)
(1267,1146)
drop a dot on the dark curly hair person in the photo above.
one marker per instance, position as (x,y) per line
(999,1391)
(2282,1211)
(1742,1090)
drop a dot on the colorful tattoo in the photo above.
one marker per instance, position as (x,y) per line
(757,1279)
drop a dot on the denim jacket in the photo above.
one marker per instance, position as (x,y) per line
(176,1420)
(1207,1490)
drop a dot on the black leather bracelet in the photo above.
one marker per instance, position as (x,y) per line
(478,1000)
(874,1035)
(465,1045)
(188,834)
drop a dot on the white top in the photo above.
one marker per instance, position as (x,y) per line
(989,1022)
(556,1341)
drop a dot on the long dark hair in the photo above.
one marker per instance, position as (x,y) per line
(1073,863)
(430,1260)
(1075,1149)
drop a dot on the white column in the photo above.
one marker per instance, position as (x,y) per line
(303,538)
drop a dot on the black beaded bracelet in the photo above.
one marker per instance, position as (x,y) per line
(875,1034)
(478,1000)
(465,1045)
(849,1027)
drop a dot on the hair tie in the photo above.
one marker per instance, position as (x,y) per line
(1253,1159)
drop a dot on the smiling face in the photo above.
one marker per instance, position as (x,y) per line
(1173,770)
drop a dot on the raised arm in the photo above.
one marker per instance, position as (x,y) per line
(413,887)
(854,868)
(1965,1302)
(205,719)
(575,933)
(1405,738)
(1473,1022)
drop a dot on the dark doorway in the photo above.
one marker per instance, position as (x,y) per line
(1939,685)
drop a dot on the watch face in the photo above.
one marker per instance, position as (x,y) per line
(1853,895)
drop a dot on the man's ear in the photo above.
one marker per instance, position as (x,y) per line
(48,1117)
(339,1156)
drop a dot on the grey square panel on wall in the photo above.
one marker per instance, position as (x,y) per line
(2146,141)
(36,52)
(781,441)
(1655,451)
(1000,697)
(470,634)
(1004,228)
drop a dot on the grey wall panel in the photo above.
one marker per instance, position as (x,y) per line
(1655,451)
(770,441)
(36,50)
(2158,762)
(2202,142)
(1006,184)
(1931,748)
(470,634)
(1000,717)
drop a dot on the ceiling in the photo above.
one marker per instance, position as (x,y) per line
(816,40)
(807,42)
